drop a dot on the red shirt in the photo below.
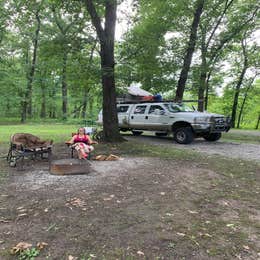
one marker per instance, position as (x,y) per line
(84,139)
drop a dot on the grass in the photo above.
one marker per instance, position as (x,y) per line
(56,132)
(242,136)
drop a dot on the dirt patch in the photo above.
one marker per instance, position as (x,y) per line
(101,172)
(146,208)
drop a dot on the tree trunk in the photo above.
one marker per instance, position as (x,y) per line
(106,37)
(64,89)
(238,85)
(189,52)
(43,101)
(257,124)
(235,101)
(33,65)
(207,90)
(243,103)
(84,102)
(203,74)
(22,93)
(52,97)
(110,119)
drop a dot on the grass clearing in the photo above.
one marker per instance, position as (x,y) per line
(56,132)
(242,136)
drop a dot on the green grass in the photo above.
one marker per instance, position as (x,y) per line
(239,136)
(56,132)
(69,121)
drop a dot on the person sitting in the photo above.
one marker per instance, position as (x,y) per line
(82,143)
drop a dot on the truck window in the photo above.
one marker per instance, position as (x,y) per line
(122,109)
(153,107)
(172,107)
(140,110)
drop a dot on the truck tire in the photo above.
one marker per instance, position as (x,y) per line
(161,134)
(183,135)
(137,133)
(212,137)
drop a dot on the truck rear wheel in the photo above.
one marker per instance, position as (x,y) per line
(183,135)
(137,133)
(212,137)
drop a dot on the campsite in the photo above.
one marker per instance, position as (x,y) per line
(129,130)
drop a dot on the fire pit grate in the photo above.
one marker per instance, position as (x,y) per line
(70,167)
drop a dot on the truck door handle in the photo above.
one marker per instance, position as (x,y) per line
(132,117)
(146,117)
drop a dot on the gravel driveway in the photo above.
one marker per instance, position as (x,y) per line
(244,151)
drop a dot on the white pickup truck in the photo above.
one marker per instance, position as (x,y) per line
(165,118)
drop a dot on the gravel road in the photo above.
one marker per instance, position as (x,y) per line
(244,151)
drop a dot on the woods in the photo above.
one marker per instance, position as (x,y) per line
(63,60)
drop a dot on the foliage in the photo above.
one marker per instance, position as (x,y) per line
(150,52)
(29,254)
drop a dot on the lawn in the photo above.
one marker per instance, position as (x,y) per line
(238,135)
(56,132)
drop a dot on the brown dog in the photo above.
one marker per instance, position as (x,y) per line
(29,140)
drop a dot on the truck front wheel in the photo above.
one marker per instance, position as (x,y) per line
(137,133)
(183,135)
(212,137)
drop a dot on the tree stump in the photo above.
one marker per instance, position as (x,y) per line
(70,167)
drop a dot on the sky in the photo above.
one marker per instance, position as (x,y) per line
(124,12)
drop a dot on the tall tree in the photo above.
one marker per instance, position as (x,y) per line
(190,49)
(249,86)
(106,36)
(212,24)
(65,43)
(27,100)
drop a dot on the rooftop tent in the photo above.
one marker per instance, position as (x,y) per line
(135,90)
(134,93)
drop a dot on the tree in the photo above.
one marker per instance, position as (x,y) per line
(106,36)
(190,49)
(29,13)
(249,85)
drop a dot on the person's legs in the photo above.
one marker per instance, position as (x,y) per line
(87,150)
(81,151)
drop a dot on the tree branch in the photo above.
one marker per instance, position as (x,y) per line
(231,36)
(227,5)
(95,19)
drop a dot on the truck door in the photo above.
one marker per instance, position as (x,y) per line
(123,114)
(157,118)
(137,117)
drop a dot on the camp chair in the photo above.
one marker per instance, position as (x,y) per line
(89,131)
(24,145)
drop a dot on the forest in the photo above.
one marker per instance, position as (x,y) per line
(59,59)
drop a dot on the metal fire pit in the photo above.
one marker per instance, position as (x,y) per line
(69,167)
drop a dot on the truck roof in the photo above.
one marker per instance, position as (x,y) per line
(153,101)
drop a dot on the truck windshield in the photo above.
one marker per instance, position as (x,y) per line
(172,107)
